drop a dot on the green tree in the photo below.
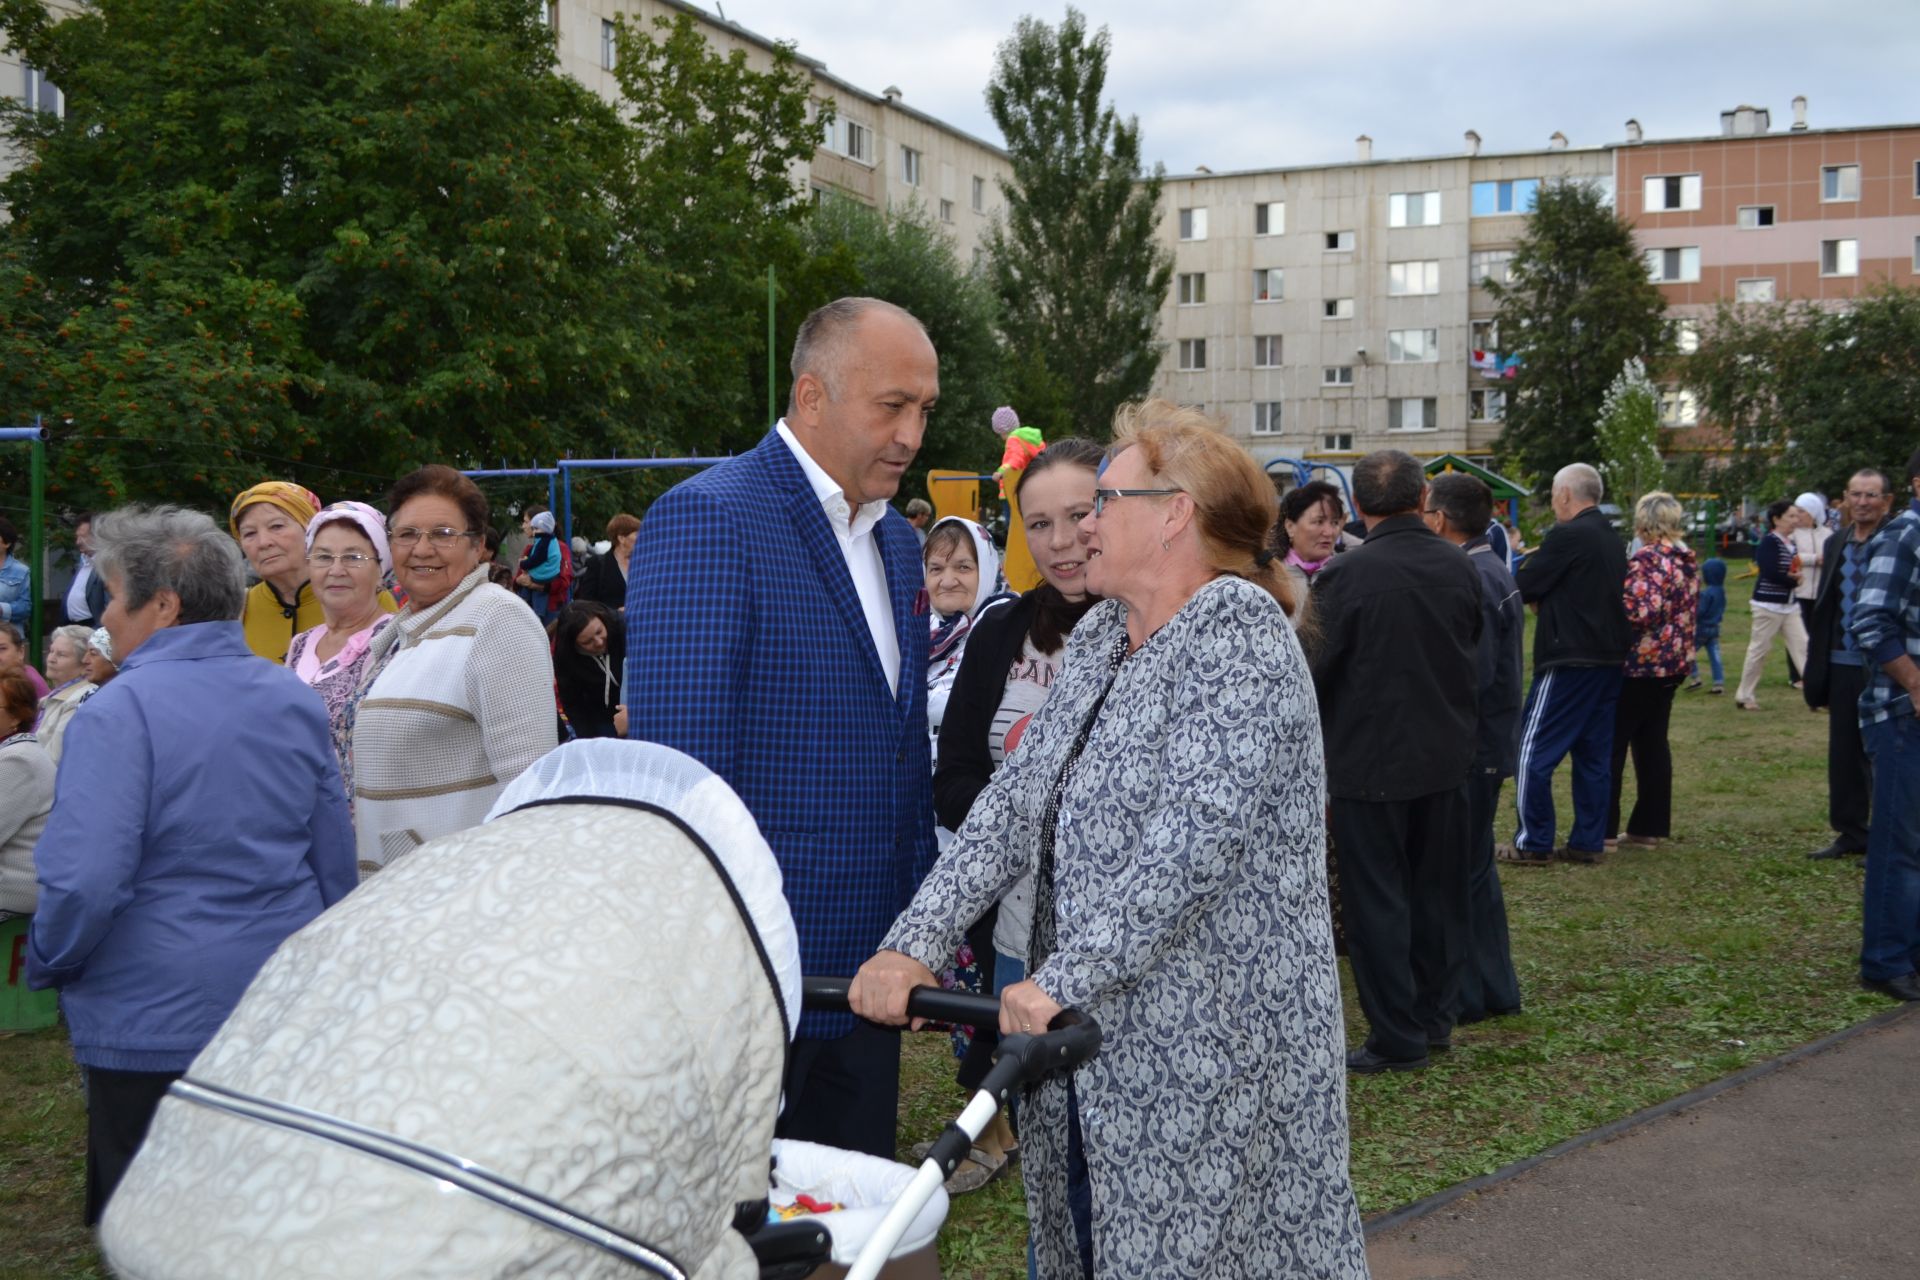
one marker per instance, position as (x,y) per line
(332,240)
(1628,436)
(1805,396)
(1077,262)
(1578,306)
(903,256)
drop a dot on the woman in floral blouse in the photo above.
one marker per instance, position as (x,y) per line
(1662,595)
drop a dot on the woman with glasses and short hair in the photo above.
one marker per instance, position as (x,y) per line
(347,560)
(457,696)
(1167,798)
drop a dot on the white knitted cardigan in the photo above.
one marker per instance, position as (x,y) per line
(26,797)
(459,702)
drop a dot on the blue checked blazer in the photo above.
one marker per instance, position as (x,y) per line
(747,649)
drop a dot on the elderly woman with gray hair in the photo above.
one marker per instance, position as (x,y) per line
(67,669)
(1662,596)
(198,821)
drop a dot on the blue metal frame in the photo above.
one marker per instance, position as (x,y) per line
(1303,472)
(549,472)
(567,466)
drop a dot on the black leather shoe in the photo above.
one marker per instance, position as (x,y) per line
(1365,1062)
(1835,850)
(1582,857)
(1440,1046)
(1902,988)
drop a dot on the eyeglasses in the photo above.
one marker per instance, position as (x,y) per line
(352,561)
(1101,497)
(441,537)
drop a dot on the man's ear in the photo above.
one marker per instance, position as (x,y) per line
(809,398)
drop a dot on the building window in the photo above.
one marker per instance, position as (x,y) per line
(1337,376)
(1270,219)
(946,211)
(911,163)
(1193,288)
(1193,224)
(1485,335)
(1405,278)
(606,44)
(1674,266)
(1839,257)
(1487,405)
(1840,182)
(550,15)
(1413,415)
(1753,290)
(1916,179)
(1679,408)
(1413,209)
(1266,418)
(979,259)
(1266,351)
(1413,346)
(1269,284)
(1916,254)
(1337,442)
(1337,308)
(41,94)
(859,142)
(1193,354)
(979,195)
(1339,242)
(1679,191)
(1686,334)
(1490,266)
(1754,216)
(1517,196)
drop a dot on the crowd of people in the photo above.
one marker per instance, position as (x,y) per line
(1226,732)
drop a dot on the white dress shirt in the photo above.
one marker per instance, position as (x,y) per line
(77,610)
(854,529)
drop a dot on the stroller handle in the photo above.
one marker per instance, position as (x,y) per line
(1072,1038)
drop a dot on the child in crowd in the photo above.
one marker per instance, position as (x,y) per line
(1706,631)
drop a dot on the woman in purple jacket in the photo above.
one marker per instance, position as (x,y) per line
(198,821)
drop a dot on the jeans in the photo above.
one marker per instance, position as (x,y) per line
(1890,919)
(1712,649)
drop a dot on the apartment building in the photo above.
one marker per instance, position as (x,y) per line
(880,150)
(1755,216)
(1327,311)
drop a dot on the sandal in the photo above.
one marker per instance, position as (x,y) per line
(1519,857)
(972,1173)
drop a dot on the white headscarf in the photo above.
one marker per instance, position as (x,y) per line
(985,554)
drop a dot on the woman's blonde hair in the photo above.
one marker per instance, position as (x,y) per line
(1659,516)
(1234,503)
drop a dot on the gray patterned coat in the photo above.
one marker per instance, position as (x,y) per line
(1192,907)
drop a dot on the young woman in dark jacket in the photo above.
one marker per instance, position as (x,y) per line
(1013,653)
(589,645)
(1775,611)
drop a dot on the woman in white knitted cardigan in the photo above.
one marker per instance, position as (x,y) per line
(457,699)
(26,795)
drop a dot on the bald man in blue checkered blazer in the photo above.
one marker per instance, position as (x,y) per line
(777,631)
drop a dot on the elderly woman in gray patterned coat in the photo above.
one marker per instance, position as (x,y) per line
(1169,798)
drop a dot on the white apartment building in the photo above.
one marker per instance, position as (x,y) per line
(1326,311)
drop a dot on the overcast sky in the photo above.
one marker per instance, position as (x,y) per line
(1245,84)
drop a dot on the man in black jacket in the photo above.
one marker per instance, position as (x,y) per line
(1394,667)
(1837,672)
(1460,509)
(1575,580)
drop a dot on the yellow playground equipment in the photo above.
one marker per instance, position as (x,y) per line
(957,493)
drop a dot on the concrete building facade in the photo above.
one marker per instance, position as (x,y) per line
(1327,311)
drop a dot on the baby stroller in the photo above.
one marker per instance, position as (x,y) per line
(551,1045)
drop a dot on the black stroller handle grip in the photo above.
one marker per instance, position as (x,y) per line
(830,995)
(1071,1039)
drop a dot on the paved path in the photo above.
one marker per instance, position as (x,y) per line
(1810,1171)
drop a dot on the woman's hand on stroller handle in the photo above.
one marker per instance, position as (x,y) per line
(1025,1007)
(880,990)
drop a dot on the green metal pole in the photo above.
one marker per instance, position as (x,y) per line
(38,566)
(772,409)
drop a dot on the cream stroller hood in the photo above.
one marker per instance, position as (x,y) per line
(582,1004)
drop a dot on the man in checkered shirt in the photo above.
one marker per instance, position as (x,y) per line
(1886,626)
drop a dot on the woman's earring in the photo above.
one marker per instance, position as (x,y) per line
(1164,545)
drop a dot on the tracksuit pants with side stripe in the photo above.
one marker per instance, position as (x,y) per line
(1569,711)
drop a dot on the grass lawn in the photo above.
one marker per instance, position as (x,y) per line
(1643,978)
